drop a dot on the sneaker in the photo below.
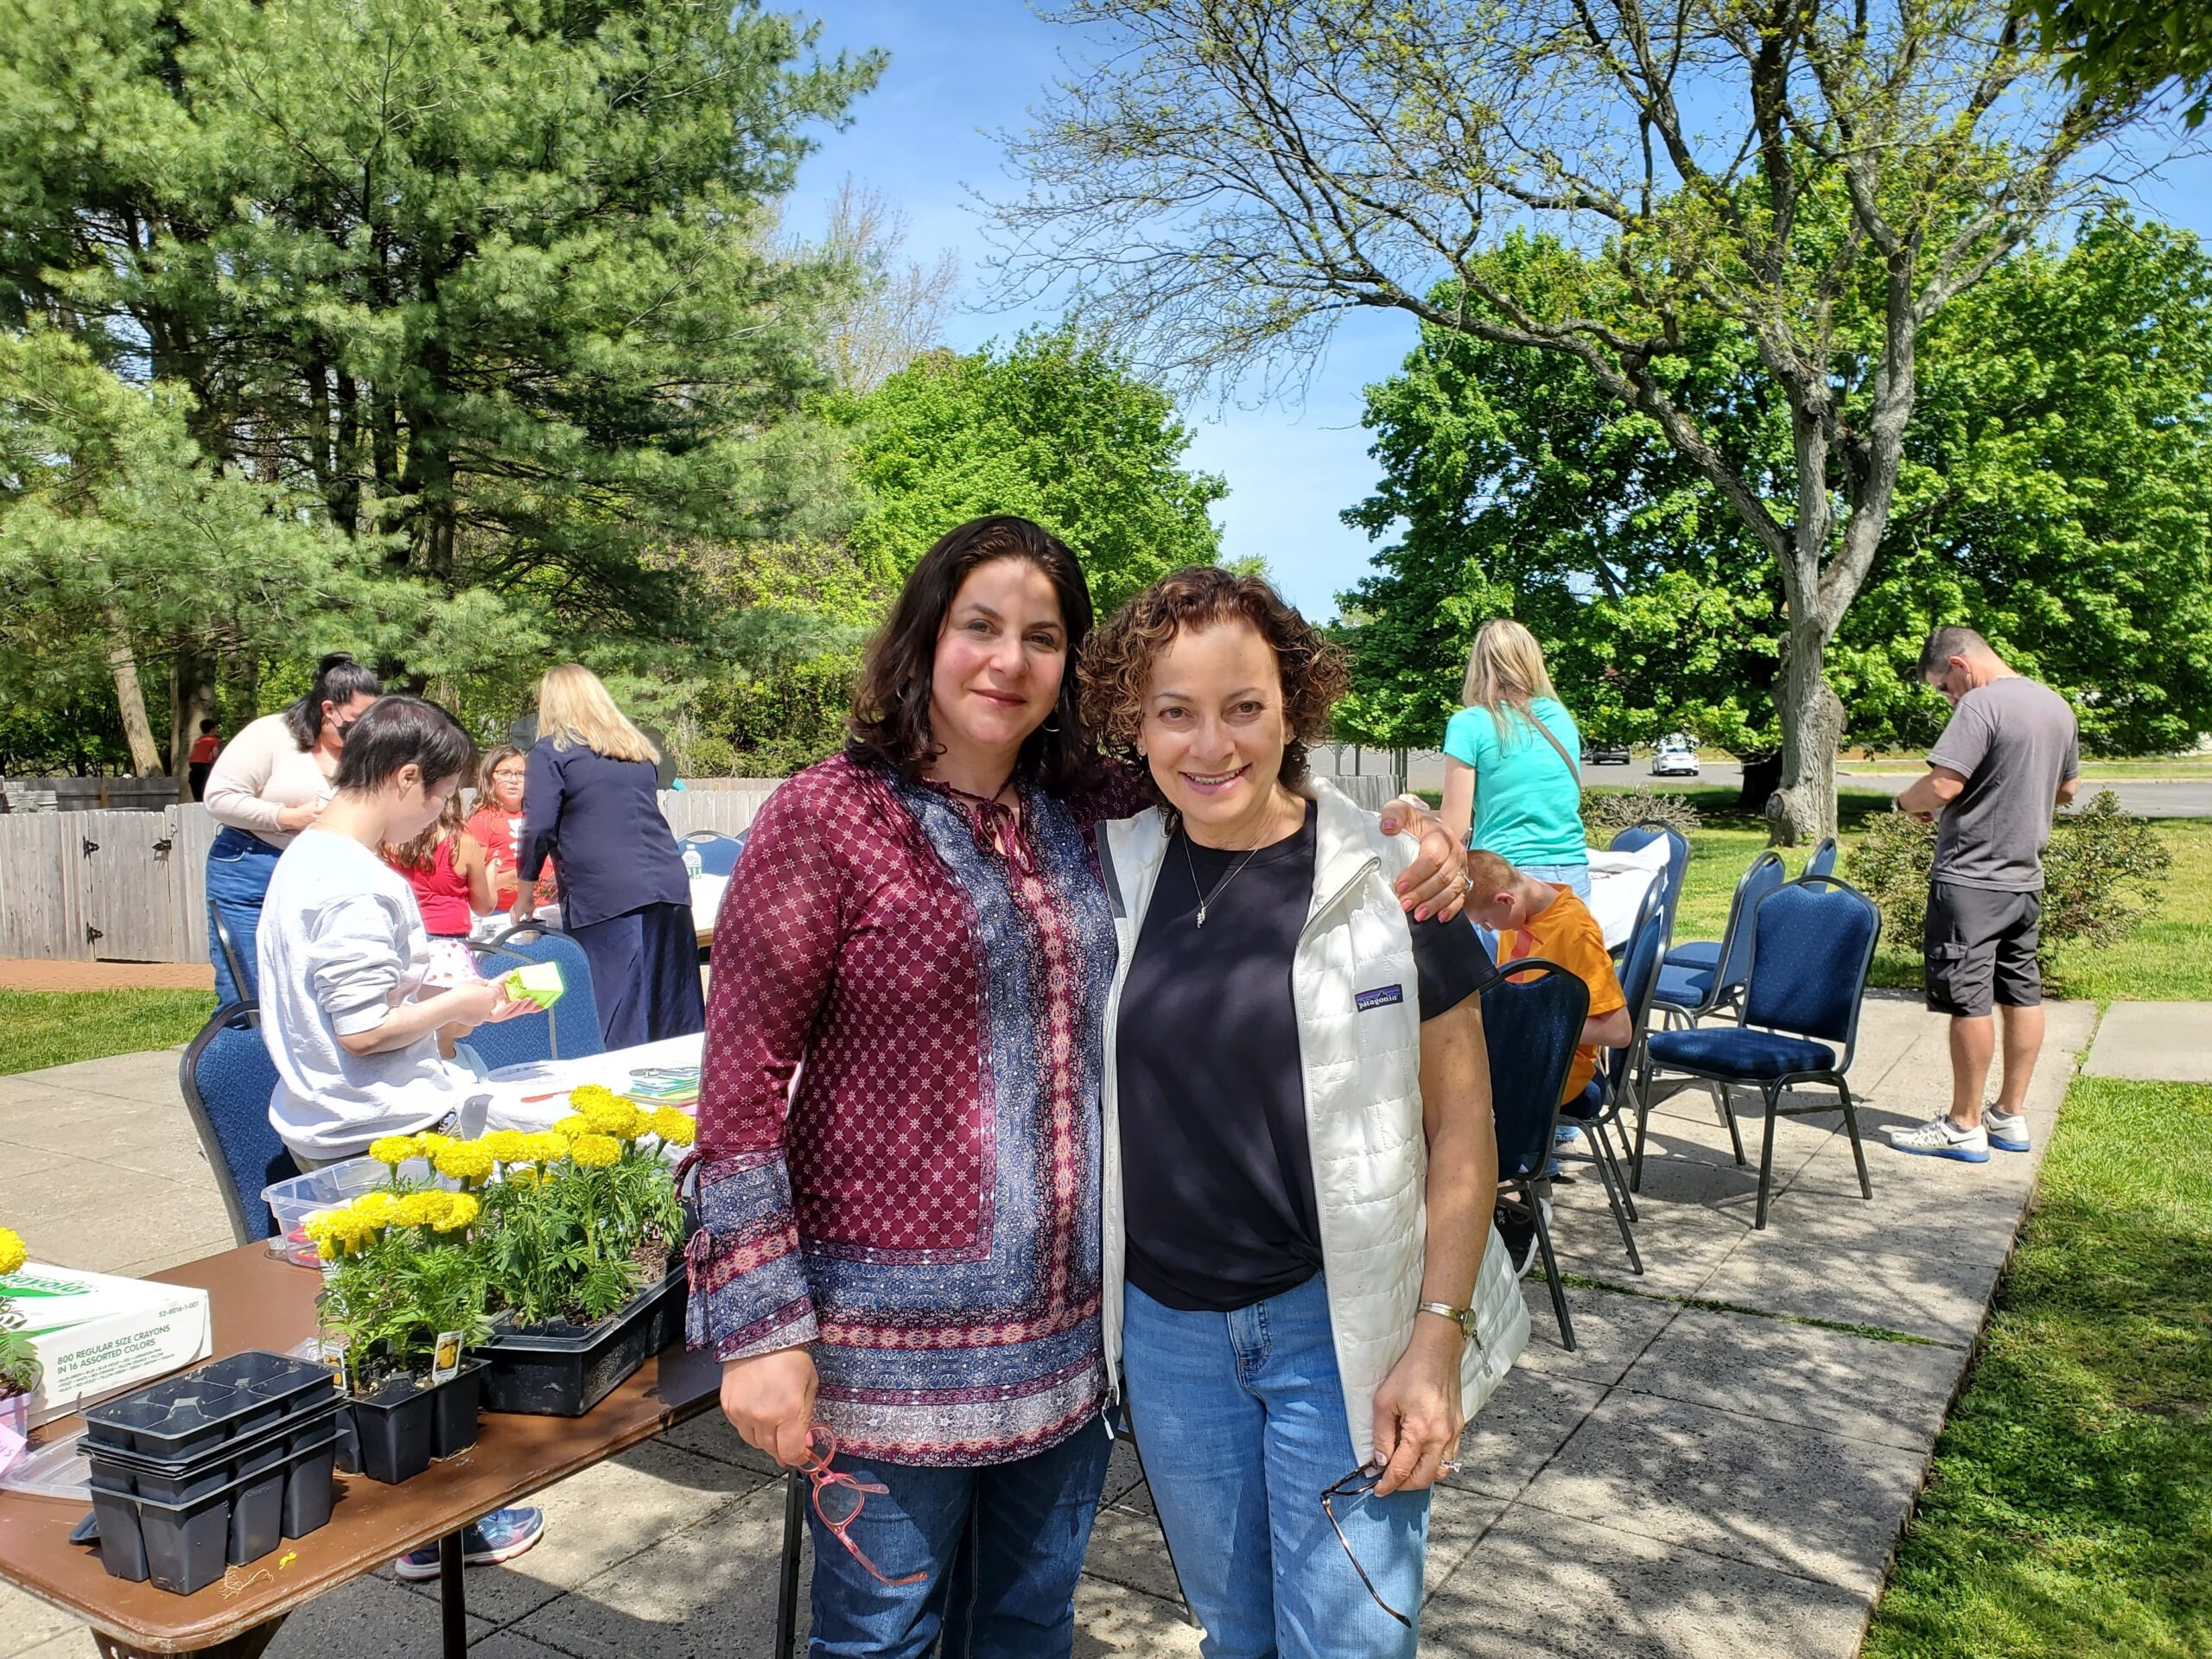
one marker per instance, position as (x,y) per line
(2008,1131)
(1941,1138)
(1519,1237)
(500,1537)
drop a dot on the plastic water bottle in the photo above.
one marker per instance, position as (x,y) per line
(693,867)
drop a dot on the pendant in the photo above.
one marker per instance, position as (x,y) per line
(1202,915)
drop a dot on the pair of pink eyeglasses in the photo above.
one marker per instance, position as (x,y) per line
(839,1497)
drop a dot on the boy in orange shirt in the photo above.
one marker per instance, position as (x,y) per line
(1541,918)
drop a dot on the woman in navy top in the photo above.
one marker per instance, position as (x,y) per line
(590,803)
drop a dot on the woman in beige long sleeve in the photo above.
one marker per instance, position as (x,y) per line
(267,784)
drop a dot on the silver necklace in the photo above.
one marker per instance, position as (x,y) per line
(1205,900)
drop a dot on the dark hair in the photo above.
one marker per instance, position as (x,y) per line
(1952,639)
(401,731)
(338,679)
(1118,666)
(891,707)
(207,725)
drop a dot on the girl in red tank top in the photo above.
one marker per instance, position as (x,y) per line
(447,870)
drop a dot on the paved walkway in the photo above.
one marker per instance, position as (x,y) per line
(2156,1042)
(1720,1469)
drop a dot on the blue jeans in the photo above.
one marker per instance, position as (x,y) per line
(1241,1420)
(1575,878)
(1002,1547)
(238,868)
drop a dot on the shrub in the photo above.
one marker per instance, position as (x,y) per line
(776,722)
(1607,813)
(2101,873)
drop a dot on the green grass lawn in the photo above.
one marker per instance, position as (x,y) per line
(2070,1510)
(41,1028)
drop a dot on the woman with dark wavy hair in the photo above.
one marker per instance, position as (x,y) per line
(900,1242)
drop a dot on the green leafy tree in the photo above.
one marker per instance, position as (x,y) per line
(1053,428)
(2054,490)
(1822,179)
(2130,45)
(491,281)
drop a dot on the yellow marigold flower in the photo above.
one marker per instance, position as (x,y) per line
(617,1117)
(429,1143)
(547,1145)
(673,1127)
(585,1095)
(460,1210)
(13,1254)
(463,1161)
(376,1211)
(523,1176)
(508,1146)
(595,1151)
(393,1150)
(420,1209)
(572,1126)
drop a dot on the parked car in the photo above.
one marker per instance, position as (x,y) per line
(1676,757)
(1604,755)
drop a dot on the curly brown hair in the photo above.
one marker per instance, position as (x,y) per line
(1117,663)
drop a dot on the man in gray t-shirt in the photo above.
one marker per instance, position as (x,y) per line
(2008,758)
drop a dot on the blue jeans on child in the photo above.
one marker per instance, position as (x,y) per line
(1240,1417)
(1012,1534)
(238,868)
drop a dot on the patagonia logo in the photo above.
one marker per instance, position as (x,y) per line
(1381,997)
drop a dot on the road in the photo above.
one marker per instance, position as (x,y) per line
(2150,798)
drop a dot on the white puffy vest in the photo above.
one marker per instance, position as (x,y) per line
(1362,1106)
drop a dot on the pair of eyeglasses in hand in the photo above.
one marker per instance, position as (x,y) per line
(839,1497)
(1358,1484)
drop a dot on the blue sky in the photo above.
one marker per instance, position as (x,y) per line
(962,70)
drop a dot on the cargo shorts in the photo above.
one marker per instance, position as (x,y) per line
(1980,948)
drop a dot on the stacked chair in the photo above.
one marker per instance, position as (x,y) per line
(1531,1021)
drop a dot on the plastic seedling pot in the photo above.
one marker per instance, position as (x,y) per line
(187,1545)
(308,1489)
(402,1426)
(565,1372)
(123,1549)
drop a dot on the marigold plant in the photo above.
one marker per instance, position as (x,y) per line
(19,1366)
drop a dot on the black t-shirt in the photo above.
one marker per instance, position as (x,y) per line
(1217,1171)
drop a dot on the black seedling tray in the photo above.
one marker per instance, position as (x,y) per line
(184,1419)
(402,1427)
(178,1480)
(542,1374)
(183,1546)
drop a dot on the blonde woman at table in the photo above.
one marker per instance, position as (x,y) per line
(266,786)
(899,1240)
(358,1036)
(590,804)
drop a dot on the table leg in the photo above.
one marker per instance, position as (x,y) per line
(251,1645)
(453,1598)
(787,1575)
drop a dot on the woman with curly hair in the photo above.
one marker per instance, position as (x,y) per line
(1300,1159)
(898,1247)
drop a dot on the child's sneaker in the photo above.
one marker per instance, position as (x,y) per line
(1941,1138)
(2008,1131)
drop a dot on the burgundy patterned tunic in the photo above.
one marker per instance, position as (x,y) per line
(924,1215)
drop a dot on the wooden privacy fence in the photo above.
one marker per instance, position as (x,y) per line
(131,886)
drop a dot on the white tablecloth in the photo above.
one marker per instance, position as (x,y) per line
(1618,884)
(707,900)
(514,1088)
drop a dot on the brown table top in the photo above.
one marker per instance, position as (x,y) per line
(258,1301)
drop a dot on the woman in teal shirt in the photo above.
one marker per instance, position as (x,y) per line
(1511,770)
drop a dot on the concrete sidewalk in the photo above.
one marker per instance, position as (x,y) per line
(1722,1468)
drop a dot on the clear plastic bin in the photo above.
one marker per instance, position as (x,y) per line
(292,1202)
